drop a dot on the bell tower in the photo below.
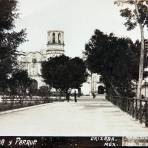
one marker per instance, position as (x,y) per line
(55,43)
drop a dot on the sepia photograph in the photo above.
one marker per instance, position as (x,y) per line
(73,73)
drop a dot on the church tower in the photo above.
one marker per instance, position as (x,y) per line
(55,43)
(32,61)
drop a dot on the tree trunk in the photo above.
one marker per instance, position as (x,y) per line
(75,96)
(60,91)
(56,95)
(114,88)
(141,63)
(79,92)
(67,95)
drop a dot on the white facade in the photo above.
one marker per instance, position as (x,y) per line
(31,61)
(55,43)
(92,84)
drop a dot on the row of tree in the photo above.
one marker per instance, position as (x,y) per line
(116,59)
(61,73)
(120,61)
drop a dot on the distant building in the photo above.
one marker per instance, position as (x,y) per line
(31,61)
(93,83)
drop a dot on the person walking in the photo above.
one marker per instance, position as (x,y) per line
(93,94)
(75,96)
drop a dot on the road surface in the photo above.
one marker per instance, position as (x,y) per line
(87,117)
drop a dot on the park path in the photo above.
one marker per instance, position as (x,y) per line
(87,117)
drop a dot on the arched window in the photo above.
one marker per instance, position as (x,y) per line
(53,38)
(59,38)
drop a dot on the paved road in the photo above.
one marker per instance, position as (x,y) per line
(87,117)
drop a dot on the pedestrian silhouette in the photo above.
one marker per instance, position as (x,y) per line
(67,96)
(93,94)
(75,96)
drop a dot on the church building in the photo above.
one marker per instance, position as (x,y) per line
(31,61)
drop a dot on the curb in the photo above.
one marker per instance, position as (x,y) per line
(21,109)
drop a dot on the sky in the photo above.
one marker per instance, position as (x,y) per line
(77,18)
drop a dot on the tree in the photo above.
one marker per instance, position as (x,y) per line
(115,59)
(45,92)
(136,16)
(55,72)
(63,73)
(9,40)
(78,74)
(33,88)
(20,82)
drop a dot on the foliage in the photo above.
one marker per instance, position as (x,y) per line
(9,40)
(137,13)
(44,91)
(115,59)
(77,72)
(33,87)
(20,82)
(55,72)
(63,73)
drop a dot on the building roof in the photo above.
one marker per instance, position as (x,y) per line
(56,31)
